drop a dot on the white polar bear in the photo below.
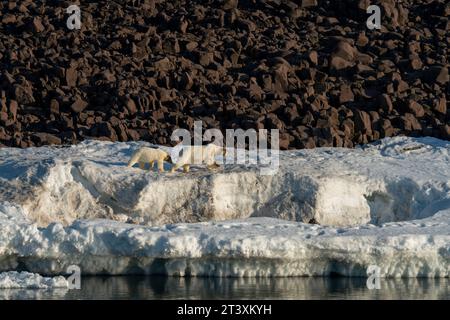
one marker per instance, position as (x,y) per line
(149,155)
(198,155)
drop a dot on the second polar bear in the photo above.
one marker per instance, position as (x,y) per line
(198,155)
(149,155)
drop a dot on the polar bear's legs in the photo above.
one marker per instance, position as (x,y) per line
(213,166)
(183,160)
(134,158)
(211,162)
(160,165)
(177,166)
(174,167)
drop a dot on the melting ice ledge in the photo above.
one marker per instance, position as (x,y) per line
(387,204)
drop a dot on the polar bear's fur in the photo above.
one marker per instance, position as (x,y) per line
(149,155)
(206,154)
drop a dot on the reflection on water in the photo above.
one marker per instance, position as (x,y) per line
(160,287)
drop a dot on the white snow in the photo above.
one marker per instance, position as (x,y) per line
(386,204)
(27,280)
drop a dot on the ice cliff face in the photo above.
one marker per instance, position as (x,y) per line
(254,247)
(398,179)
(386,204)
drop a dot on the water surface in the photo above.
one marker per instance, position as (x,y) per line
(161,287)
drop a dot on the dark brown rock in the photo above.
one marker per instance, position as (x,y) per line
(104,129)
(164,65)
(274,122)
(386,103)
(133,135)
(254,91)
(348,127)
(437,74)
(37,25)
(131,106)
(445,131)
(362,40)
(206,58)
(362,122)
(410,123)
(401,86)
(54,106)
(416,109)
(284,141)
(415,63)
(386,128)
(345,51)
(121,132)
(42,138)
(308,143)
(346,94)
(309,3)
(79,105)
(231,64)
(24,95)
(313,57)
(280,79)
(339,63)
(291,113)
(3,117)
(187,82)
(230,4)
(440,105)
(71,77)
(13,107)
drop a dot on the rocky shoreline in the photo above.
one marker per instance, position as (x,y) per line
(139,69)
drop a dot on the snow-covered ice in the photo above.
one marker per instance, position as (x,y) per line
(27,280)
(397,179)
(386,204)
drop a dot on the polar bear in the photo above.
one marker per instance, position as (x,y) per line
(198,155)
(149,155)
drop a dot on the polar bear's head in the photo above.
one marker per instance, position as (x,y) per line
(168,159)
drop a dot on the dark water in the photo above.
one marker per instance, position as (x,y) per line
(160,287)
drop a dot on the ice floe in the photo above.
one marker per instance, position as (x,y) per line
(27,280)
(386,204)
